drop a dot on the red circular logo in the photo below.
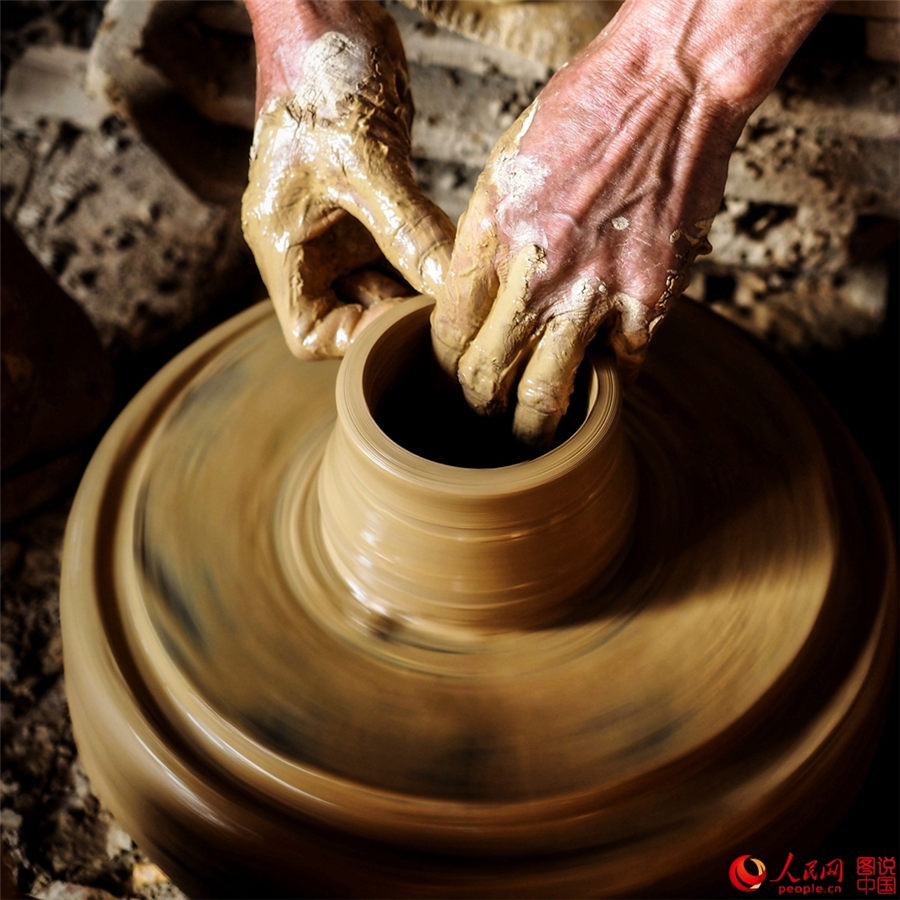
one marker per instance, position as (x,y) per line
(744,878)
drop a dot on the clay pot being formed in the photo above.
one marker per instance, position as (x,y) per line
(443,546)
(325,634)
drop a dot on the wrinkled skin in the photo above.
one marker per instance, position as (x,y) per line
(332,212)
(585,220)
(567,233)
(595,203)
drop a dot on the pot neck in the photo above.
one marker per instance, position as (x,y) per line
(437,546)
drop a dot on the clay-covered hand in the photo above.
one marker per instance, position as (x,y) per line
(592,208)
(332,212)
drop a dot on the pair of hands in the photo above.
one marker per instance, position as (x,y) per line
(587,216)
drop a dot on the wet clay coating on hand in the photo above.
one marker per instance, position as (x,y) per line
(331,192)
(242,683)
(510,326)
(596,201)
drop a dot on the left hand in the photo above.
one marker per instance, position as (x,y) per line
(332,212)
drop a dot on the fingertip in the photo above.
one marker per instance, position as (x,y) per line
(446,342)
(485,382)
(300,321)
(630,350)
(540,405)
(535,428)
(629,361)
(548,381)
(369,313)
(413,232)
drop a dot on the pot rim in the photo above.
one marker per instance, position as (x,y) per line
(353,391)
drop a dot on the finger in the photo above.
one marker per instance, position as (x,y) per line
(630,329)
(300,303)
(316,325)
(299,276)
(330,334)
(413,233)
(489,365)
(461,309)
(547,382)
(369,286)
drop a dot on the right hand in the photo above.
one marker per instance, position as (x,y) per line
(332,212)
(594,204)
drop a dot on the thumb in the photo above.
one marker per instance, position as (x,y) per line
(414,234)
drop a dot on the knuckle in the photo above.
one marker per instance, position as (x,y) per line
(447,331)
(301,325)
(297,334)
(481,383)
(543,395)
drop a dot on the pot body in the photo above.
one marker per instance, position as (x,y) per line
(262,727)
(443,546)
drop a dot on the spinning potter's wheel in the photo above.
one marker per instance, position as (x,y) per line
(303,659)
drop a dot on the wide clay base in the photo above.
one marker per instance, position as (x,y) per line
(261,728)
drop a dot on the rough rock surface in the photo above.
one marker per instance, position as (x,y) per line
(122,235)
(150,263)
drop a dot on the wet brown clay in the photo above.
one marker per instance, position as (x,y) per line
(285,678)
(435,546)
